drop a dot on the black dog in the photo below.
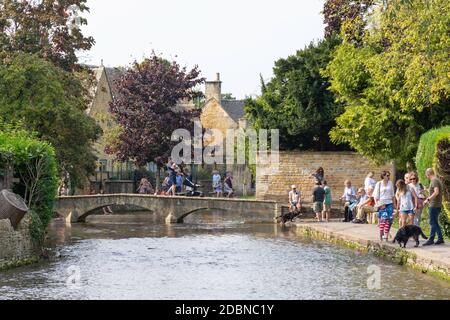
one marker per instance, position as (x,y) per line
(291,216)
(407,232)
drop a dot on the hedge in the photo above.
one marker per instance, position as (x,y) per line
(427,150)
(434,152)
(33,161)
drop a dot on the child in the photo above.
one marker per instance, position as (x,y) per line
(385,213)
(217,184)
(327,202)
(406,202)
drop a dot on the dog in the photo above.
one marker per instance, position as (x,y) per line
(291,216)
(407,232)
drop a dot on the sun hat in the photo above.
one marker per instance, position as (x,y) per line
(294,186)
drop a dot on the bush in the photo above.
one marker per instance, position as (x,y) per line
(434,152)
(34,163)
(427,150)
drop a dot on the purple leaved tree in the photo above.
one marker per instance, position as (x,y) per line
(146,110)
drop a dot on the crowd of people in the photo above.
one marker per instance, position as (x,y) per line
(380,202)
(179,177)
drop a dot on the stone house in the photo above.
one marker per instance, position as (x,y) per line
(222,114)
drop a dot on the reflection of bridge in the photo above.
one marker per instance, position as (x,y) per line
(78,208)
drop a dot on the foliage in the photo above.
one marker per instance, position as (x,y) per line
(346,16)
(35,163)
(427,151)
(51,102)
(145,109)
(434,152)
(297,101)
(50,29)
(395,85)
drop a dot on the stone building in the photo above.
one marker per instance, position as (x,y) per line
(222,114)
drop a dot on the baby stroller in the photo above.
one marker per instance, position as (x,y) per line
(191,188)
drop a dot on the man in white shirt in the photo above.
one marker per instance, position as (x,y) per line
(294,200)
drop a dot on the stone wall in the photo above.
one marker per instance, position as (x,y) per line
(16,246)
(296,167)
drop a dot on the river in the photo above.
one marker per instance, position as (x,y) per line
(136,257)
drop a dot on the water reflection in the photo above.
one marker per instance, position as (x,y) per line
(130,257)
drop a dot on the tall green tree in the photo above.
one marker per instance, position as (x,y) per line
(297,100)
(395,86)
(50,102)
(346,17)
(51,29)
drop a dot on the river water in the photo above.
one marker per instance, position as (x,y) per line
(136,257)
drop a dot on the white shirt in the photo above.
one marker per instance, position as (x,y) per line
(418,189)
(369,182)
(216,180)
(406,201)
(384,192)
(349,194)
(294,196)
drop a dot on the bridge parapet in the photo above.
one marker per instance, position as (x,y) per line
(78,208)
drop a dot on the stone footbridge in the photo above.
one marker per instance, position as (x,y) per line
(175,209)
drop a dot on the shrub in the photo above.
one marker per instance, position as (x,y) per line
(434,152)
(427,150)
(34,163)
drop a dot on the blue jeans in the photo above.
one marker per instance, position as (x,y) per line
(434,223)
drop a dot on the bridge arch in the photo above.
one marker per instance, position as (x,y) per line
(78,208)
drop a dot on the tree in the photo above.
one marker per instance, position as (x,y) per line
(50,102)
(145,109)
(395,86)
(228,96)
(347,16)
(296,101)
(48,28)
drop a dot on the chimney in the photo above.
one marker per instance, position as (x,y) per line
(213,89)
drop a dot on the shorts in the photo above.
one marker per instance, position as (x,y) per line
(294,203)
(408,212)
(318,207)
(327,207)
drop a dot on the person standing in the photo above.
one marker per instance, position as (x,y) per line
(420,192)
(318,197)
(369,182)
(406,203)
(327,202)
(384,200)
(179,182)
(435,207)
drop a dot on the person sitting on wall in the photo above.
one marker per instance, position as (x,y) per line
(228,185)
(145,186)
(217,184)
(294,200)
(366,209)
(349,197)
(319,175)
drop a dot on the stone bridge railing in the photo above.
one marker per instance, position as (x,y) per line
(175,209)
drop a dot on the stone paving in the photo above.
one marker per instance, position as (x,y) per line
(434,258)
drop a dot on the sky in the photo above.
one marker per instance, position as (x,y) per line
(240,39)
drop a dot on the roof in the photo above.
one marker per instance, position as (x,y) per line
(113,75)
(234,108)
